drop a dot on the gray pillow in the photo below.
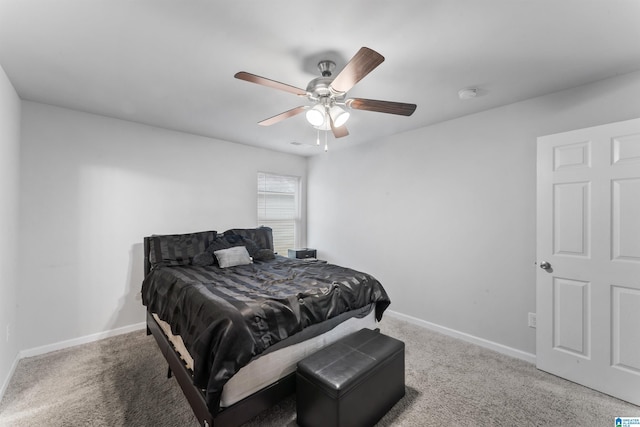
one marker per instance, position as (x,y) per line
(231,257)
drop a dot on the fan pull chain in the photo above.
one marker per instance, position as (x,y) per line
(318,138)
(326,144)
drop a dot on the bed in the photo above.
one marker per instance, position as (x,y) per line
(232,318)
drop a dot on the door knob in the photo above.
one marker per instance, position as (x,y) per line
(545,265)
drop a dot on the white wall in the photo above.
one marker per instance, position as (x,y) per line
(444,216)
(9,186)
(92,187)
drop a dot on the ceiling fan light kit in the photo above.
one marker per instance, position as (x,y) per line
(328,94)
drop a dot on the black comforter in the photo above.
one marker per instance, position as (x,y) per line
(228,316)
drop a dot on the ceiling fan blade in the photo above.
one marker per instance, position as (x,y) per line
(362,63)
(243,75)
(279,117)
(338,132)
(389,107)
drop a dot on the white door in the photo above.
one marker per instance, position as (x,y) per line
(588,231)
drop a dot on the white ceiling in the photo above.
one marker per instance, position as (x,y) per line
(171,63)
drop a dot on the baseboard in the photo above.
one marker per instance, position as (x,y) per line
(81,340)
(9,376)
(500,348)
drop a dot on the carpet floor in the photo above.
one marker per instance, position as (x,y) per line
(121,381)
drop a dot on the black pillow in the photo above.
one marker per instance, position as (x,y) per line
(178,249)
(217,245)
(263,236)
(234,239)
(263,255)
(251,246)
(202,259)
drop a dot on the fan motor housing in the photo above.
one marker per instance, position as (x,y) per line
(320,86)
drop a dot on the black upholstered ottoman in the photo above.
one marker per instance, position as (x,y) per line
(352,382)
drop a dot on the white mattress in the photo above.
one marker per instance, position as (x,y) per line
(275,365)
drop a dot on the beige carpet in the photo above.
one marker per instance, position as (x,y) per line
(121,381)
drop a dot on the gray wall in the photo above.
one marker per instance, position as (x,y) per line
(92,187)
(444,216)
(9,186)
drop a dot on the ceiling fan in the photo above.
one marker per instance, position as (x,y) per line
(328,95)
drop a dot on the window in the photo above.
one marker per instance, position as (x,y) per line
(279,208)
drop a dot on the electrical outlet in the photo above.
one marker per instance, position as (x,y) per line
(532,320)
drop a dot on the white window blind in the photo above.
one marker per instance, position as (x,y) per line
(279,208)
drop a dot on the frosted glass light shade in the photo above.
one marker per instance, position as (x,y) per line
(315,116)
(339,116)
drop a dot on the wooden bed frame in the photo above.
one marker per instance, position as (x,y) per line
(235,414)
